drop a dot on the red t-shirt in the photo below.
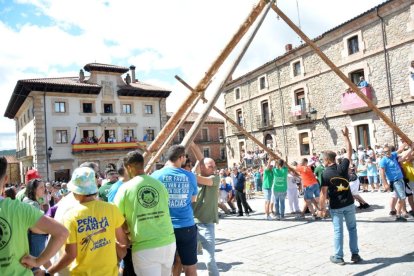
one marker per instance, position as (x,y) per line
(306,173)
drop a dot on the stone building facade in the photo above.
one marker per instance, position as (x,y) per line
(63,122)
(210,139)
(297,105)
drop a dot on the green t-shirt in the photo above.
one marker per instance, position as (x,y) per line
(104,190)
(319,172)
(280,179)
(15,219)
(206,208)
(267,179)
(143,201)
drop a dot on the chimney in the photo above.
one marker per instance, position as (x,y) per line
(288,47)
(132,68)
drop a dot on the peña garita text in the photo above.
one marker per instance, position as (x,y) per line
(91,223)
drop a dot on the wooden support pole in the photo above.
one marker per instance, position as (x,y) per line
(195,128)
(341,75)
(172,122)
(241,129)
(169,139)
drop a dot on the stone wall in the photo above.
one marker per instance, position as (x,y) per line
(323,88)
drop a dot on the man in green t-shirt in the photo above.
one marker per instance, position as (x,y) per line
(112,178)
(143,201)
(206,208)
(15,220)
(280,173)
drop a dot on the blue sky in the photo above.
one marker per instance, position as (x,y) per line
(46,38)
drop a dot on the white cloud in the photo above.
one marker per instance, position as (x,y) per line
(182,36)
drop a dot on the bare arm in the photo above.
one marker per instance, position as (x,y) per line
(58,235)
(121,242)
(384,179)
(322,201)
(202,180)
(345,132)
(407,155)
(67,258)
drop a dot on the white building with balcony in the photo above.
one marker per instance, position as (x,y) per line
(63,122)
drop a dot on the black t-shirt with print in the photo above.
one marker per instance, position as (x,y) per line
(335,177)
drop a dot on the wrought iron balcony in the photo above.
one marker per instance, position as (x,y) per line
(301,115)
(264,122)
(352,103)
(21,153)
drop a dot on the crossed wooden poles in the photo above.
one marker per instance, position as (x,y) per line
(169,131)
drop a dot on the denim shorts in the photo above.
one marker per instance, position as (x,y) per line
(186,240)
(267,193)
(373,179)
(311,191)
(399,188)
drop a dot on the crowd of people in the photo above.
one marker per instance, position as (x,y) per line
(137,224)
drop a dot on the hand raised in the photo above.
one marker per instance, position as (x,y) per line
(345,131)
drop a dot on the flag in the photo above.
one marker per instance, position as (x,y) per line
(74,136)
(100,138)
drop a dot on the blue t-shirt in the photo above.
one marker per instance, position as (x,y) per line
(372,170)
(113,190)
(391,166)
(181,186)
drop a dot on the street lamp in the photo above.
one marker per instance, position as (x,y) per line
(49,152)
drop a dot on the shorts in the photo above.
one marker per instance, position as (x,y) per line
(399,188)
(373,179)
(354,187)
(363,180)
(267,193)
(311,191)
(186,240)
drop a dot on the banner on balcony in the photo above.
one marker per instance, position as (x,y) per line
(296,110)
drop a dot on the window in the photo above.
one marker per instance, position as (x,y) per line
(60,107)
(88,133)
(300,99)
(237,93)
(356,75)
(126,109)
(304,143)
(262,83)
(239,117)
(150,134)
(204,134)
(128,135)
(108,108)
(61,136)
(353,46)
(222,153)
(221,133)
(87,107)
(148,109)
(363,135)
(110,136)
(265,114)
(206,152)
(181,134)
(296,69)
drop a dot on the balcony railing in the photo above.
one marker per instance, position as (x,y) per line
(21,153)
(81,147)
(264,121)
(300,115)
(352,103)
(235,130)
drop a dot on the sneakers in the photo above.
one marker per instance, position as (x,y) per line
(315,217)
(365,206)
(356,258)
(336,260)
(411,213)
(269,218)
(400,219)
(393,213)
